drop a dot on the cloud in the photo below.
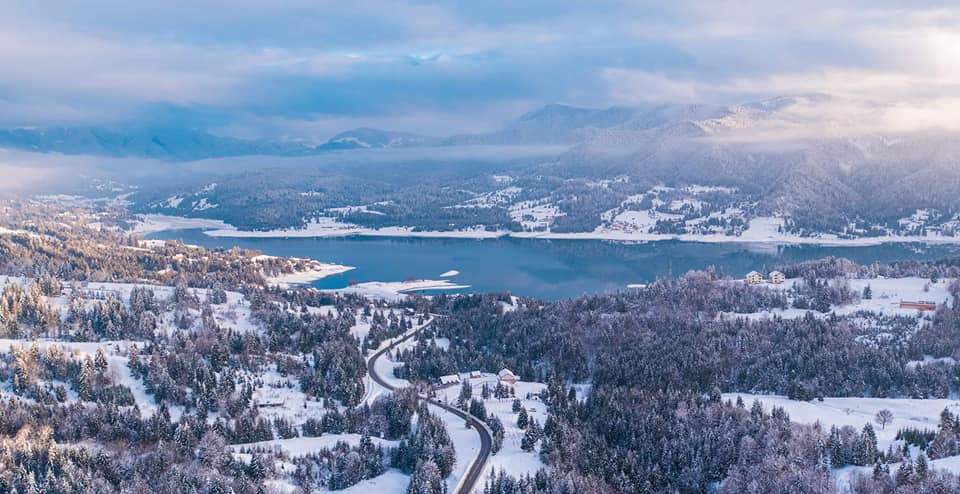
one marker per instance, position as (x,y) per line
(889,68)
(293,68)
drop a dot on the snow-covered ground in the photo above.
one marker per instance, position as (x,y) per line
(491,199)
(465,441)
(511,306)
(886,298)
(7,231)
(316,271)
(364,209)
(332,227)
(300,446)
(511,458)
(761,230)
(117,361)
(280,396)
(150,223)
(396,290)
(234,314)
(536,215)
(844,476)
(857,412)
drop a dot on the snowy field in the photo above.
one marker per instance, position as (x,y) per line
(760,230)
(151,223)
(300,446)
(536,215)
(118,369)
(857,412)
(396,290)
(234,314)
(317,271)
(887,294)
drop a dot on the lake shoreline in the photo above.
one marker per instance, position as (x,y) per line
(549,270)
(331,229)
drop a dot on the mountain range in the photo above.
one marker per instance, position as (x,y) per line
(793,152)
(551,124)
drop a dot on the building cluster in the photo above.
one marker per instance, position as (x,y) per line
(505,376)
(756,278)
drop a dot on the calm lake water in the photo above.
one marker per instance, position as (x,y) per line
(548,269)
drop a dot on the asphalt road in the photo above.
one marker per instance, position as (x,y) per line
(469,480)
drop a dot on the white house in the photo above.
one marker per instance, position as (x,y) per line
(754,278)
(777,278)
(508,377)
(450,379)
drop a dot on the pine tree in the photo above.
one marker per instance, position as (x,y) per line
(529,441)
(880,470)
(868,446)
(477,409)
(100,362)
(427,480)
(497,431)
(905,472)
(922,467)
(85,382)
(522,419)
(257,470)
(466,392)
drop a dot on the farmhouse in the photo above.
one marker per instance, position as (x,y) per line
(508,377)
(754,278)
(777,278)
(450,379)
(921,305)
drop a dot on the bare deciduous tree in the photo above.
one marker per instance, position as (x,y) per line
(883,418)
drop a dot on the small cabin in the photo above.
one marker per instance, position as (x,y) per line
(921,305)
(507,376)
(475,374)
(777,278)
(754,278)
(450,379)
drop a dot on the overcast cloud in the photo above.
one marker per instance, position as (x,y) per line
(305,69)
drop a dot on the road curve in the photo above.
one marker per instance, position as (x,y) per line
(469,480)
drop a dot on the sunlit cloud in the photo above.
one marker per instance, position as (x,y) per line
(256,63)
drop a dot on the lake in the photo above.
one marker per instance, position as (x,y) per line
(547,269)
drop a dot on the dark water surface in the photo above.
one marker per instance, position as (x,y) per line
(548,269)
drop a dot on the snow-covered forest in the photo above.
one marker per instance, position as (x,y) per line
(132,365)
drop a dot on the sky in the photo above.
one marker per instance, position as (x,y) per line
(303,69)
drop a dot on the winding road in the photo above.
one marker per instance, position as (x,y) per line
(469,480)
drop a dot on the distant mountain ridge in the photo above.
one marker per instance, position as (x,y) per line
(165,143)
(555,124)
(367,138)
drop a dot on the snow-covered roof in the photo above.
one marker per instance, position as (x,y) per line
(753,273)
(506,374)
(450,379)
(775,273)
